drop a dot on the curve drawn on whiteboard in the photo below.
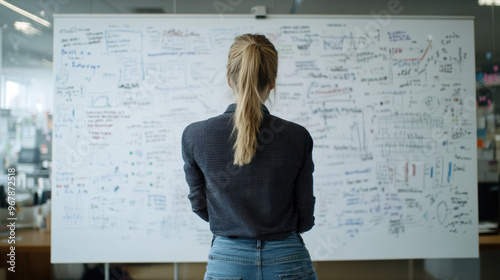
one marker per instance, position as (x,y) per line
(442,212)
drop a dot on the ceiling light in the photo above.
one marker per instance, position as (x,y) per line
(26,14)
(489,2)
(26,28)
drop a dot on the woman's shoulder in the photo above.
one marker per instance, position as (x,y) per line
(277,123)
(203,126)
(288,131)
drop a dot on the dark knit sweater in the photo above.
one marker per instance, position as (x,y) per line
(267,199)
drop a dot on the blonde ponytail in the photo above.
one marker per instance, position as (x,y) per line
(252,68)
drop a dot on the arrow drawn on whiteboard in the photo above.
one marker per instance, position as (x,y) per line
(416,59)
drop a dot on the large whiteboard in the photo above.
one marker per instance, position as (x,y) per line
(390,105)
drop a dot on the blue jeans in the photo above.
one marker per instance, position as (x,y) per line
(248,259)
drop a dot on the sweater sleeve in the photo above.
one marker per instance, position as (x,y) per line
(304,198)
(194,177)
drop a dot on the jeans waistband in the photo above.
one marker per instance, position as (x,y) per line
(293,233)
(243,240)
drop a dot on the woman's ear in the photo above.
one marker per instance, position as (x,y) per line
(229,81)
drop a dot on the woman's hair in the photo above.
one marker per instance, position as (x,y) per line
(252,68)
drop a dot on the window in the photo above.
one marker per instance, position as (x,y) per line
(16,95)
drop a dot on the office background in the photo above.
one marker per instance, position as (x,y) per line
(26,100)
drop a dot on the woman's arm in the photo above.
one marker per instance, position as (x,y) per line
(194,177)
(304,198)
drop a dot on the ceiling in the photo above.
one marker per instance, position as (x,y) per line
(20,50)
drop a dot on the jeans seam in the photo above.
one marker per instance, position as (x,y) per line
(303,256)
(232,260)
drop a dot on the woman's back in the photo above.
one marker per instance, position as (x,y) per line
(266,199)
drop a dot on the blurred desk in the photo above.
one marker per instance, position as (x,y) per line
(32,254)
(489,241)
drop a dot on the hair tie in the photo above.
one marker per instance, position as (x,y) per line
(259,47)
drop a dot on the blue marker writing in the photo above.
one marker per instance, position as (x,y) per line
(449,171)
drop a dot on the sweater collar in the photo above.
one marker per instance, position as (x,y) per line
(232,108)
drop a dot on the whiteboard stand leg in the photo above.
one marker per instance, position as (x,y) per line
(176,271)
(106,271)
(410,269)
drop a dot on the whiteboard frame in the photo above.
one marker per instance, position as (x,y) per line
(277,16)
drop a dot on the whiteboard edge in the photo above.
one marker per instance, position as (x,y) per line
(159,16)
